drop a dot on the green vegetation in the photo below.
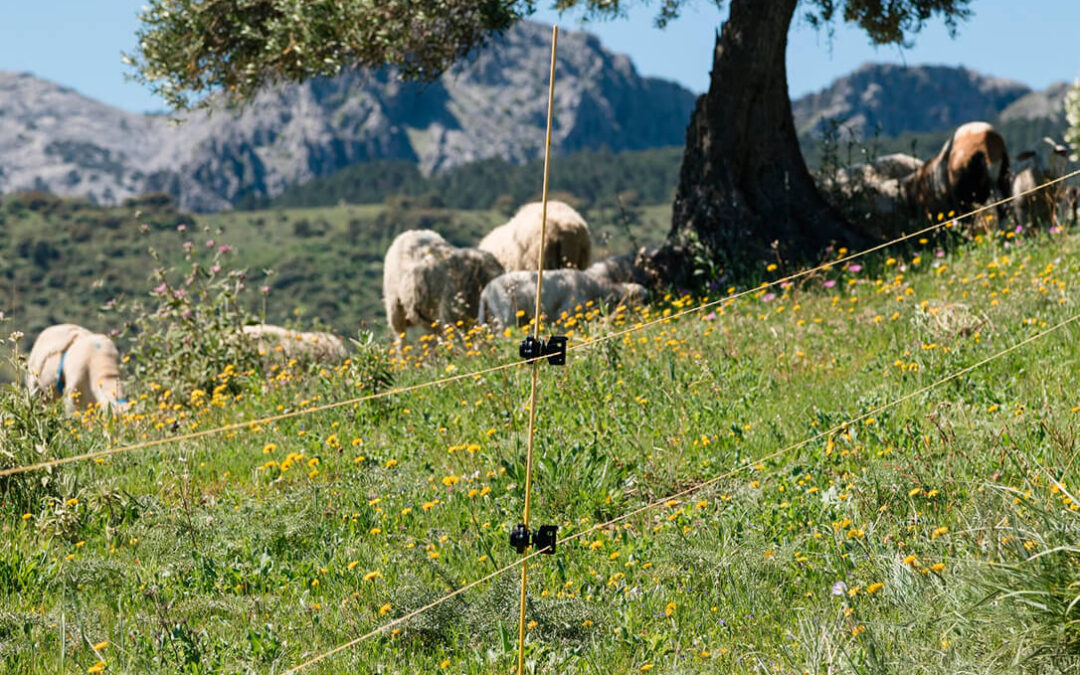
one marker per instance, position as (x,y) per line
(593,177)
(935,536)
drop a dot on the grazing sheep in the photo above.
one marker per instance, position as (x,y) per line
(621,269)
(83,367)
(291,344)
(1035,167)
(511,299)
(971,168)
(428,281)
(516,244)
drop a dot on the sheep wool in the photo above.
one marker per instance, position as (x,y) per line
(516,243)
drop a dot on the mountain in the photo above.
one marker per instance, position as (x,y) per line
(892,100)
(1048,104)
(492,105)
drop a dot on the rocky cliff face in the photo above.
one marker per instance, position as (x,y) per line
(52,138)
(891,100)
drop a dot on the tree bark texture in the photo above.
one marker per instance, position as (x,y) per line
(745,195)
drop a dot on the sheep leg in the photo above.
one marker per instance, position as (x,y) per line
(395,315)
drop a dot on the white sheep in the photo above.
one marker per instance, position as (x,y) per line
(1035,167)
(427,281)
(511,299)
(291,344)
(621,269)
(516,244)
(83,367)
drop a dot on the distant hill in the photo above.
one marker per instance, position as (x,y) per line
(493,105)
(893,100)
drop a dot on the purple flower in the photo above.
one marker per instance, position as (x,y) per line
(214,269)
(839,588)
(144,228)
(179,293)
(188,246)
(830,283)
(266,289)
(186,314)
(708,317)
(224,248)
(209,243)
(181,228)
(1019,229)
(161,288)
(854,269)
(939,254)
(769,297)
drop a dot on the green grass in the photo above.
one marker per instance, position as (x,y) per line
(199,556)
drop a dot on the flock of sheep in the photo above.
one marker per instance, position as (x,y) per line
(427,282)
(972,168)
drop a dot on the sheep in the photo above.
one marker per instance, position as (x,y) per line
(1034,168)
(426,281)
(971,167)
(312,346)
(510,300)
(82,367)
(624,268)
(516,244)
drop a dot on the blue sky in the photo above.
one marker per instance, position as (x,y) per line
(78,44)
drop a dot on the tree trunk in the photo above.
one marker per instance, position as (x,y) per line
(745,196)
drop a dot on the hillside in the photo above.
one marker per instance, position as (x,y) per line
(869,471)
(493,105)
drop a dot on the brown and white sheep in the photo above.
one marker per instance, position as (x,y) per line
(516,244)
(82,367)
(971,167)
(510,300)
(427,281)
(300,345)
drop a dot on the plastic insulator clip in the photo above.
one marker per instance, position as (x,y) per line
(531,348)
(554,349)
(519,538)
(543,540)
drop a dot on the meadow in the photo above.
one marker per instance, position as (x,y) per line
(852,514)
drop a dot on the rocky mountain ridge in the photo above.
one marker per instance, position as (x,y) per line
(494,104)
(890,100)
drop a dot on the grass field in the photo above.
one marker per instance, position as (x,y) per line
(936,536)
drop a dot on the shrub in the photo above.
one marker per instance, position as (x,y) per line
(188,336)
(1072,114)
